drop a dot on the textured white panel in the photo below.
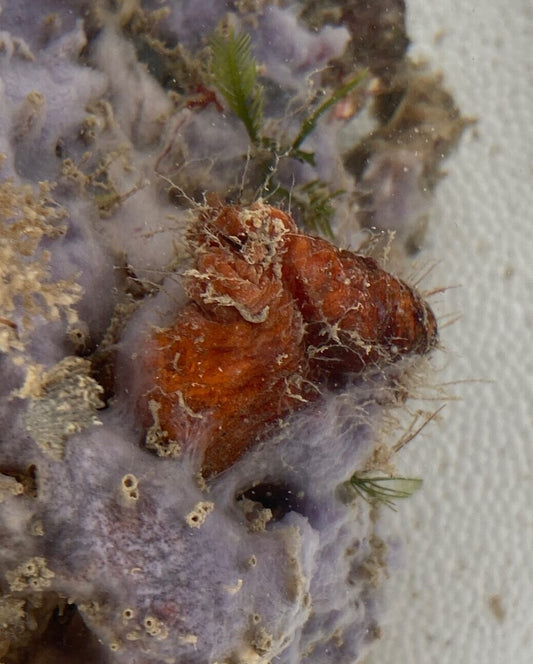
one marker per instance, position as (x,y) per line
(470,531)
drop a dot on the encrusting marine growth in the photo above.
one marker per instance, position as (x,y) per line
(273,315)
(260,364)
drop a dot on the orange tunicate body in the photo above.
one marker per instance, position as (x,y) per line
(273,314)
(356,313)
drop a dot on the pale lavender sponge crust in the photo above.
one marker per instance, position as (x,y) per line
(235,587)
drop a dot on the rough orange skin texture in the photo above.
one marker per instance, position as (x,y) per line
(273,314)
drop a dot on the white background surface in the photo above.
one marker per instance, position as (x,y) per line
(470,531)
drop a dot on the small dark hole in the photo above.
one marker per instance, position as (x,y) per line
(280,499)
(60,149)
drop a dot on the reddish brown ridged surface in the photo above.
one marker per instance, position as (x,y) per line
(357,313)
(272,314)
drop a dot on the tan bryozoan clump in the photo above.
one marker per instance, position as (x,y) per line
(32,573)
(26,286)
(63,401)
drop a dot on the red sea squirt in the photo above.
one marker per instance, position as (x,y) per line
(272,314)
